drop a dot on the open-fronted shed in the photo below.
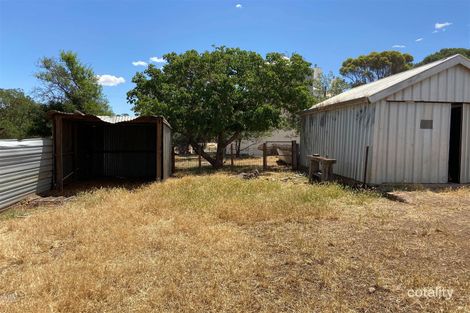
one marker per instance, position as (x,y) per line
(412,127)
(88,147)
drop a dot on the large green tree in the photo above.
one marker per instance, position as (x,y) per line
(444,53)
(376,65)
(218,95)
(72,85)
(20,116)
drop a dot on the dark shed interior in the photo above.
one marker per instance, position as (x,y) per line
(89,147)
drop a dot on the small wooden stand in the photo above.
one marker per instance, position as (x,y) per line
(320,168)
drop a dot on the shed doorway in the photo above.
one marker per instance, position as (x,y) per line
(455,143)
(124,148)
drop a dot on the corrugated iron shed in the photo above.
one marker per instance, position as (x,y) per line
(88,146)
(414,126)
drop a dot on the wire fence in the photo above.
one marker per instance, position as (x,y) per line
(271,156)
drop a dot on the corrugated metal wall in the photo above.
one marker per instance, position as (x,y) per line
(128,151)
(341,134)
(167,151)
(405,153)
(465,158)
(25,168)
(451,85)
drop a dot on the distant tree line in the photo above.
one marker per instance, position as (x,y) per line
(65,85)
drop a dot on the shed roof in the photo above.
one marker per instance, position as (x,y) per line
(77,115)
(384,87)
(116,118)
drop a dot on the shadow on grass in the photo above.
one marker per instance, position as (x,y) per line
(227,169)
(76,187)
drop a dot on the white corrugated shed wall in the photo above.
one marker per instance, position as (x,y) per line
(341,134)
(25,168)
(405,153)
(451,85)
(465,158)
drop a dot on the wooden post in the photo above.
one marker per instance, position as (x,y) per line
(75,151)
(200,161)
(310,170)
(364,184)
(59,167)
(231,154)
(173,160)
(265,157)
(158,151)
(294,155)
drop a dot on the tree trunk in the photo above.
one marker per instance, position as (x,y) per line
(238,144)
(218,161)
(219,156)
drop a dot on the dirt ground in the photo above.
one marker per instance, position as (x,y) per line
(218,243)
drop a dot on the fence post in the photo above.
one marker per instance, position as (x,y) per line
(173,160)
(364,184)
(265,157)
(199,161)
(294,155)
(231,154)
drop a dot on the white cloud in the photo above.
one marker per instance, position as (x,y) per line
(398,46)
(442,26)
(110,80)
(157,60)
(419,39)
(239,6)
(139,63)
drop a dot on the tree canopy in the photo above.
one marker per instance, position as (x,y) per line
(444,53)
(20,115)
(328,85)
(218,95)
(376,65)
(72,85)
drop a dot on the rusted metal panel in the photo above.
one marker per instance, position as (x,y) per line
(159,149)
(25,169)
(126,151)
(342,134)
(465,157)
(406,153)
(90,146)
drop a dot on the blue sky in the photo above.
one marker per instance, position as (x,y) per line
(110,35)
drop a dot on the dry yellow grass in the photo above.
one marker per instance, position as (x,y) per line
(217,243)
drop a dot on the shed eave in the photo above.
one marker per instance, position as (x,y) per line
(335,106)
